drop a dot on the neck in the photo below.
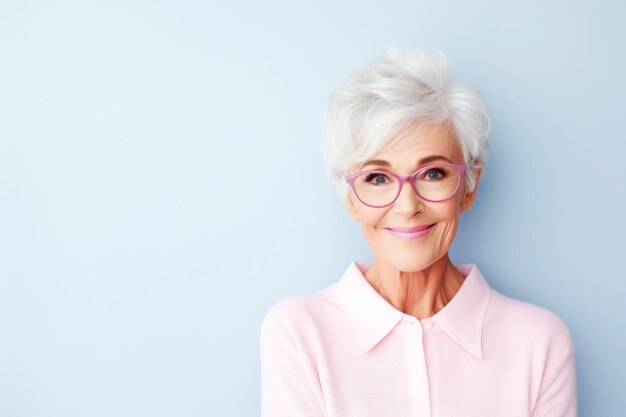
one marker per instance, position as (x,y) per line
(420,294)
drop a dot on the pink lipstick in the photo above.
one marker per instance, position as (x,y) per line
(409,233)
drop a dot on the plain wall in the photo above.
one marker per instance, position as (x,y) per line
(162,185)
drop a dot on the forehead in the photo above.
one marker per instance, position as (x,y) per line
(420,142)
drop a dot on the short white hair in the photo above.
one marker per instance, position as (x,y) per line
(401,88)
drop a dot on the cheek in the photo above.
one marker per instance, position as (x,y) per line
(370,221)
(448,226)
(446,215)
(371,217)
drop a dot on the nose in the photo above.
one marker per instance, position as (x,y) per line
(408,202)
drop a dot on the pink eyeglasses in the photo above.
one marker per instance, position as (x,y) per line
(380,187)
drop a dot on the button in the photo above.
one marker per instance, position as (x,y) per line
(428,325)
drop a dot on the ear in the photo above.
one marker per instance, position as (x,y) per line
(468,198)
(352,207)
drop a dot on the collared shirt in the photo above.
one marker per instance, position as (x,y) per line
(346,352)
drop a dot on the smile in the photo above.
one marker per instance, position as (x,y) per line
(409,233)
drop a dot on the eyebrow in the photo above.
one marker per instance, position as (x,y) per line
(382,162)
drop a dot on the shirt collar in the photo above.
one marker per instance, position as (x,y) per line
(372,317)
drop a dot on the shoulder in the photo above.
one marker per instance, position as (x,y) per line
(529,324)
(302,314)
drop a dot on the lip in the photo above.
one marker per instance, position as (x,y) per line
(410,233)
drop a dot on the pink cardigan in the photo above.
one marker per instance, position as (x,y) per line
(346,352)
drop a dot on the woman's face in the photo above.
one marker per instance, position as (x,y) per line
(417,148)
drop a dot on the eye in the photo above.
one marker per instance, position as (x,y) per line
(433,174)
(376,178)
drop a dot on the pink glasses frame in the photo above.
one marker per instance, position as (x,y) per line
(411,180)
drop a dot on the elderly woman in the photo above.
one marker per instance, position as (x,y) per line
(411,334)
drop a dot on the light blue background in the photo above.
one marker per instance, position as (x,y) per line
(162,185)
